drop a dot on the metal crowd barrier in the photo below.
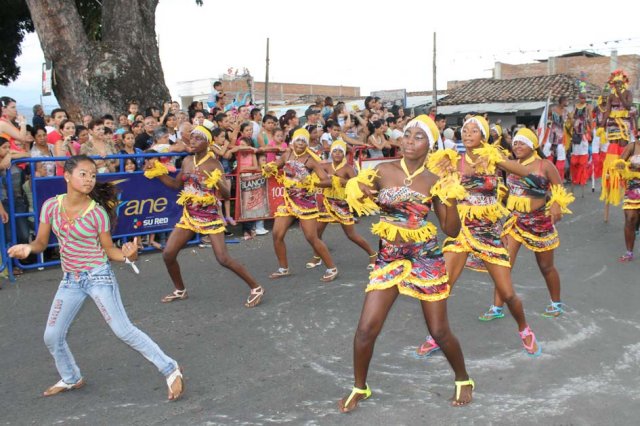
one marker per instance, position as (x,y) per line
(35,213)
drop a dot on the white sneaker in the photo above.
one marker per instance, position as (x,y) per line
(262,231)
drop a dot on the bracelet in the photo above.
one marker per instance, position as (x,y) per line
(133,264)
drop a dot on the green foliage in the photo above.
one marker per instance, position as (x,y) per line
(15,23)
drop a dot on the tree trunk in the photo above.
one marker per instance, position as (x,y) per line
(97,78)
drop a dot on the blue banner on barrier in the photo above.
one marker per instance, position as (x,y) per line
(145,206)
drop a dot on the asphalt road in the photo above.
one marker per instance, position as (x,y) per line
(290,360)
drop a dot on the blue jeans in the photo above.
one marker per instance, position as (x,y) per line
(100,284)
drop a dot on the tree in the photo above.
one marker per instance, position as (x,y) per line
(104,54)
(15,23)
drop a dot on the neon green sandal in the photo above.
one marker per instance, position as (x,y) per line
(344,404)
(460,384)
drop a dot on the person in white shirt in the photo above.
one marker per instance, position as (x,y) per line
(449,139)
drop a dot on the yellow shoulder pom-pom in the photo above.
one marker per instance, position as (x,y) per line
(436,159)
(336,190)
(270,169)
(448,188)
(310,183)
(560,196)
(158,169)
(356,198)
(213,179)
(492,154)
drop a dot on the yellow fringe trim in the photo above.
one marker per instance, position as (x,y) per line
(406,270)
(521,204)
(355,197)
(213,178)
(612,180)
(158,169)
(405,275)
(336,191)
(631,205)
(186,217)
(191,198)
(389,232)
(492,154)
(448,188)
(491,212)
(503,191)
(623,113)
(189,227)
(560,196)
(437,157)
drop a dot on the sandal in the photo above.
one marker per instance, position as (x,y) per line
(155,245)
(255,297)
(281,272)
(459,384)
(173,379)
(529,348)
(343,404)
(426,349)
(494,312)
(627,257)
(315,261)
(63,387)
(329,275)
(555,309)
(372,261)
(176,295)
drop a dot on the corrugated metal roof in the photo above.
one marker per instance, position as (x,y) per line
(493,107)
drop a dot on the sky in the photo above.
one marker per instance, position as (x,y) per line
(376,45)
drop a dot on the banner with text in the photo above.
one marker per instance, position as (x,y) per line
(254,196)
(145,205)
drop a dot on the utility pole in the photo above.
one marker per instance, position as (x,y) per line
(435,92)
(266,83)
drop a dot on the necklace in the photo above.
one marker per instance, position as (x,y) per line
(199,163)
(342,163)
(528,160)
(468,160)
(293,151)
(409,179)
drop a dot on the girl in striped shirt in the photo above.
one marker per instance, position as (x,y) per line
(81,220)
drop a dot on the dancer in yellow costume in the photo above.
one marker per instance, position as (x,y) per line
(301,174)
(619,132)
(627,168)
(533,217)
(480,213)
(334,207)
(410,261)
(200,180)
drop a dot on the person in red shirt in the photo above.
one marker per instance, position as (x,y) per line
(59,115)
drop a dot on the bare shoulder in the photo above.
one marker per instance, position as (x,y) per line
(388,166)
